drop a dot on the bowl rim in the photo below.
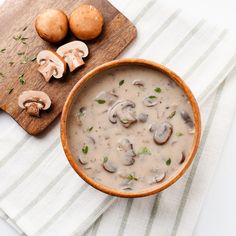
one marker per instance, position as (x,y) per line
(104,67)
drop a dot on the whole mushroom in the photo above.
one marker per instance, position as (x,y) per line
(86,22)
(52,25)
(34,101)
(73,53)
(51,64)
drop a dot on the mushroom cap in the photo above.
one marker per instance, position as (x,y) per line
(52,25)
(34,96)
(86,22)
(73,45)
(54,57)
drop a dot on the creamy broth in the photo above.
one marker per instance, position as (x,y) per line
(131,128)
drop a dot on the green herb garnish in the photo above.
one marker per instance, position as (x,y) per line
(105,159)
(10,90)
(19,38)
(144,151)
(158,90)
(2,50)
(21,53)
(168,162)
(125,121)
(132,177)
(21,78)
(121,82)
(179,134)
(85,149)
(90,129)
(100,101)
(152,97)
(172,114)
(33,58)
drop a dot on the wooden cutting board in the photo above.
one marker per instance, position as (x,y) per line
(17,19)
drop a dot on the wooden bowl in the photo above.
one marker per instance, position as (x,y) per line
(113,64)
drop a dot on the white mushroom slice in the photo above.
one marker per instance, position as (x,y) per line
(73,53)
(163,133)
(83,160)
(150,101)
(109,97)
(128,154)
(34,101)
(109,166)
(124,111)
(138,83)
(183,157)
(142,117)
(51,64)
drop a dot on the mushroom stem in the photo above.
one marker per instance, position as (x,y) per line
(33,109)
(74,60)
(47,70)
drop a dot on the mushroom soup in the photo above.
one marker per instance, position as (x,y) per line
(131,128)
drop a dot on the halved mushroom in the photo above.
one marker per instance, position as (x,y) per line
(150,101)
(51,64)
(34,101)
(109,166)
(187,119)
(128,154)
(124,111)
(138,83)
(163,133)
(73,53)
(142,117)
(109,97)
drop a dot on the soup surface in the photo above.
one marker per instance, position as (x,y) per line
(131,128)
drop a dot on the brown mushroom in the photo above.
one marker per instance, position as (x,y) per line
(73,53)
(34,101)
(163,133)
(124,111)
(187,119)
(51,64)
(86,22)
(52,25)
(183,157)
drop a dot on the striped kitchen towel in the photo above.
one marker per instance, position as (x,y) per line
(41,195)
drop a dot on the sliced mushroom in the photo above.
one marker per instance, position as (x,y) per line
(124,111)
(128,154)
(127,185)
(83,160)
(183,157)
(187,119)
(73,53)
(153,128)
(163,133)
(138,83)
(109,97)
(142,117)
(34,101)
(109,166)
(51,64)
(150,101)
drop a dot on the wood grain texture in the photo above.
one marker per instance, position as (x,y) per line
(117,33)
